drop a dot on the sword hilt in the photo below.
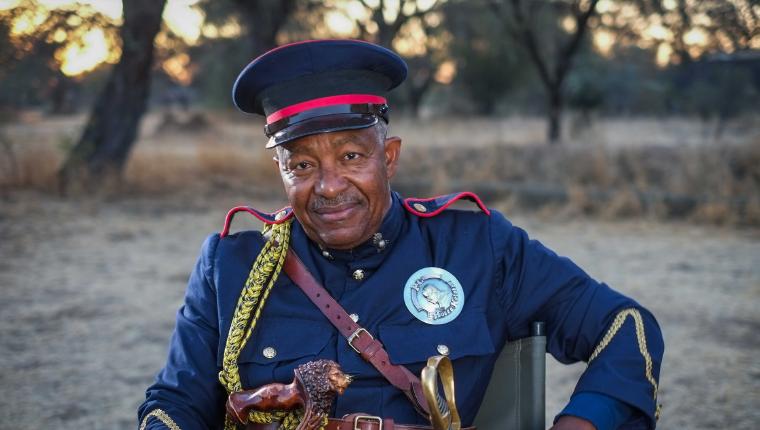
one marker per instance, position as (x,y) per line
(443,411)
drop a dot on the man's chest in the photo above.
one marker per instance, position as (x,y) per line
(379,294)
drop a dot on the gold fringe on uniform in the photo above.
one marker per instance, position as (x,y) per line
(641,337)
(261,279)
(162,416)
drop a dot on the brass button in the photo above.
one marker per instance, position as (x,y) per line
(358,274)
(420,207)
(443,349)
(354,317)
(280,215)
(269,352)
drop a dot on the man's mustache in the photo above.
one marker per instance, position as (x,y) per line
(339,200)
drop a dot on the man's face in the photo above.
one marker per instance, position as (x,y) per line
(338,183)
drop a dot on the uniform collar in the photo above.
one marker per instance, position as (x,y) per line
(376,247)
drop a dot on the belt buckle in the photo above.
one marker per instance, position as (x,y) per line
(356,334)
(368,418)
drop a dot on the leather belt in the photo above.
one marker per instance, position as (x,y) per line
(355,422)
(358,337)
(367,422)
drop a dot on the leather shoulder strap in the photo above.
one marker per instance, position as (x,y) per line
(358,338)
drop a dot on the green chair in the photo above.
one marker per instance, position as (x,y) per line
(516,396)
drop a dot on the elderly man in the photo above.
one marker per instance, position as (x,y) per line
(417,279)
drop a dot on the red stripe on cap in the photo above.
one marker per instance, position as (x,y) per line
(345,99)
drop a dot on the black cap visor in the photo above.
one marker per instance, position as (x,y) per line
(322,124)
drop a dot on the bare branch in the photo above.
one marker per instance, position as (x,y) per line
(567,53)
(526,36)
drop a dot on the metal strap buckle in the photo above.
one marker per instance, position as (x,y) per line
(356,334)
(367,418)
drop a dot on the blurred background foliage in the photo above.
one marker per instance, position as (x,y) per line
(570,66)
(636,57)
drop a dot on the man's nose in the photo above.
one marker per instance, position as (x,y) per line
(331,182)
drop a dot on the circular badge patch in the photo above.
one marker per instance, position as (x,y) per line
(433,295)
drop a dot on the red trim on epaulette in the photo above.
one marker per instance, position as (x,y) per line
(465,195)
(268,219)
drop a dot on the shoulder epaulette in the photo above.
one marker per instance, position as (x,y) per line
(275,217)
(434,205)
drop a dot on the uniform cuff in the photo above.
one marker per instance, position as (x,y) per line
(604,412)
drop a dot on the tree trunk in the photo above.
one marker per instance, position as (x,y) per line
(554,115)
(263,20)
(101,153)
(418,86)
(60,102)
(415,100)
(525,34)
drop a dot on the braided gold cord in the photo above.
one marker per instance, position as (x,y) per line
(279,256)
(620,319)
(270,417)
(162,416)
(264,271)
(262,277)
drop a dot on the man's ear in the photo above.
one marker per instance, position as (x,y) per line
(392,151)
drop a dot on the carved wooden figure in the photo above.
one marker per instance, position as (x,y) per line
(314,388)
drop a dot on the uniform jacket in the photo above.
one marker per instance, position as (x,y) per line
(508,280)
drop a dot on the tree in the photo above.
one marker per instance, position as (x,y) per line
(425,50)
(258,26)
(685,30)
(32,56)
(263,20)
(488,67)
(703,43)
(101,153)
(526,21)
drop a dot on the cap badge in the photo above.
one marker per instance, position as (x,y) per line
(434,296)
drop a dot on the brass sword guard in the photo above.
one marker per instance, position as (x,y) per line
(442,416)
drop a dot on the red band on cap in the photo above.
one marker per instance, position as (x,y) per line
(345,99)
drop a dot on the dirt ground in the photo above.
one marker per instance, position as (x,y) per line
(88,292)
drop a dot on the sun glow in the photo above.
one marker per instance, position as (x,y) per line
(184,19)
(604,41)
(87,50)
(78,58)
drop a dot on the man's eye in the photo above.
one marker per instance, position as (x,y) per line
(301,166)
(351,156)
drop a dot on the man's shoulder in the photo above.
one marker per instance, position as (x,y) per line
(437,218)
(240,240)
(441,210)
(431,207)
(268,218)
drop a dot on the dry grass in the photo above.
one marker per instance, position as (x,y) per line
(671,173)
(31,165)
(704,183)
(171,154)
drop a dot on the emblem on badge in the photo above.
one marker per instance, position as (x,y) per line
(433,295)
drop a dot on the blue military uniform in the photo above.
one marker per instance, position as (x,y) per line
(508,281)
